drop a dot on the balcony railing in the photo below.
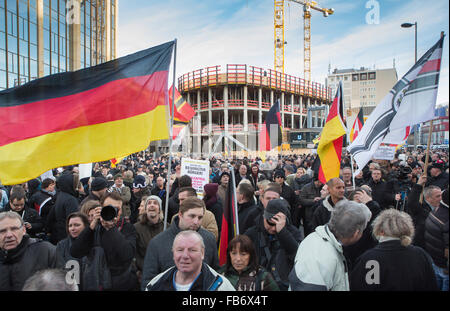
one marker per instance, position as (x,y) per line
(239,103)
(244,74)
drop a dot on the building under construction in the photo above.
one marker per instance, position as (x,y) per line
(234,101)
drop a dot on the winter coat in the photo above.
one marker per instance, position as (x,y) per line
(307,195)
(93,274)
(135,202)
(144,233)
(400,269)
(384,192)
(322,213)
(299,183)
(43,204)
(320,264)
(436,234)
(215,206)
(125,195)
(441,181)
(289,195)
(247,215)
(159,257)
(66,204)
(276,253)
(367,241)
(205,281)
(250,279)
(419,213)
(119,246)
(30,256)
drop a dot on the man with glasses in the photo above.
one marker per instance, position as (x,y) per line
(276,240)
(20,255)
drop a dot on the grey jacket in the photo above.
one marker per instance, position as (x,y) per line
(159,257)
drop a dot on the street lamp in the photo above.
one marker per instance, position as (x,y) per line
(408,25)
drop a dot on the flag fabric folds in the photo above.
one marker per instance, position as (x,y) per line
(183,112)
(90,115)
(331,140)
(411,101)
(357,125)
(270,135)
(229,223)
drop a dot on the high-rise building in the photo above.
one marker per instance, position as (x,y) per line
(362,88)
(42,37)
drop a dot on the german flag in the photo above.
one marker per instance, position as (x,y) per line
(357,125)
(183,111)
(90,115)
(271,134)
(229,223)
(331,140)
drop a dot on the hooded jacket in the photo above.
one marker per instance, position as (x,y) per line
(436,234)
(18,264)
(320,264)
(322,213)
(66,204)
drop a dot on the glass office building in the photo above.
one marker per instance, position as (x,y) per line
(42,37)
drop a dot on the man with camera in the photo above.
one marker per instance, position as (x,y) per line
(117,237)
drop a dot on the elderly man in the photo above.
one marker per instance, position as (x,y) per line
(432,196)
(190,273)
(125,194)
(158,257)
(438,176)
(320,264)
(20,255)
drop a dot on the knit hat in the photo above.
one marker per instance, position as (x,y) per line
(156,198)
(438,164)
(118,175)
(275,206)
(99,183)
(279,173)
(225,173)
(211,189)
(139,182)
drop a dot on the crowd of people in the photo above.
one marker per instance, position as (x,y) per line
(110,231)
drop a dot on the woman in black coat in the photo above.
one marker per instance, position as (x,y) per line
(394,264)
(213,203)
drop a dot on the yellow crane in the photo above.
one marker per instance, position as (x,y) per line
(279,32)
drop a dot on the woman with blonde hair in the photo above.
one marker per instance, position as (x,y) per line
(394,264)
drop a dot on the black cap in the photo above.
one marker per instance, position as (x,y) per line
(279,174)
(438,164)
(98,184)
(275,206)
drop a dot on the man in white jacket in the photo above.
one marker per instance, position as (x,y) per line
(320,263)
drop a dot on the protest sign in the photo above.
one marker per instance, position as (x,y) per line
(198,170)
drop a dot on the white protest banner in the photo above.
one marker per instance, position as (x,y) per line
(198,170)
(85,170)
(385,152)
(48,174)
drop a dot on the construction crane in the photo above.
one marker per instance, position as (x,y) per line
(279,32)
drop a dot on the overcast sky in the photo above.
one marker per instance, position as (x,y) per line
(220,32)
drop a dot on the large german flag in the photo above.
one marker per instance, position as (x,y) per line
(331,139)
(90,115)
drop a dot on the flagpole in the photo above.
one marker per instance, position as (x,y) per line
(169,170)
(427,155)
(348,137)
(233,182)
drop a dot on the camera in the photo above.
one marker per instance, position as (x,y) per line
(108,213)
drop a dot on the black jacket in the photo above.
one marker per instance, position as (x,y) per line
(441,181)
(289,195)
(215,206)
(30,256)
(66,204)
(119,245)
(276,253)
(384,192)
(135,201)
(247,214)
(43,203)
(400,269)
(419,213)
(436,235)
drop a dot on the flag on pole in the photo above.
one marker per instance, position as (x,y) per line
(411,101)
(270,135)
(357,125)
(90,115)
(229,228)
(331,139)
(183,112)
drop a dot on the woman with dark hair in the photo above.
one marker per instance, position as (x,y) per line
(255,175)
(242,268)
